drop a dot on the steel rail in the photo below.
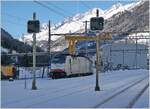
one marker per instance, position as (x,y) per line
(118,93)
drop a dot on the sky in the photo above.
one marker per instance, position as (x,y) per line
(15,14)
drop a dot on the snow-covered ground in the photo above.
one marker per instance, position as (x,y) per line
(116,91)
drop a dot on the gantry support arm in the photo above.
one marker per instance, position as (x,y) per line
(73,39)
(72,46)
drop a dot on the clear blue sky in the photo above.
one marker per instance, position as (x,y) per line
(15,14)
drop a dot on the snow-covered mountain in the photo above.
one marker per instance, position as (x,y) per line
(117,18)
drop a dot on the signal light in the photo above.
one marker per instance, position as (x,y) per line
(33,26)
(97,23)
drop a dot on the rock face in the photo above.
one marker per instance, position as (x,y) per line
(11,44)
(135,19)
(130,17)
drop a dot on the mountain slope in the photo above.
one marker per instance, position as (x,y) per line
(11,44)
(117,18)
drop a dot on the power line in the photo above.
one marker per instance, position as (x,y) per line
(85,5)
(53,10)
(10,15)
(61,9)
(57,7)
(16,17)
(12,22)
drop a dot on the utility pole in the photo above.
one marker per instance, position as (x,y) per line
(123,57)
(34,57)
(25,82)
(136,52)
(97,88)
(86,24)
(49,44)
(85,35)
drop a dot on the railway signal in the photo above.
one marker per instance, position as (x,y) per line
(34,27)
(97,23)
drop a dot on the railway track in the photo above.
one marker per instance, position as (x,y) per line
(133,101)
(72,92)
(83,90)
(64,95)
(52,90)
(122,91)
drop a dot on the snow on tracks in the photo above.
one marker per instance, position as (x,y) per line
(70,92)
(110,101)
